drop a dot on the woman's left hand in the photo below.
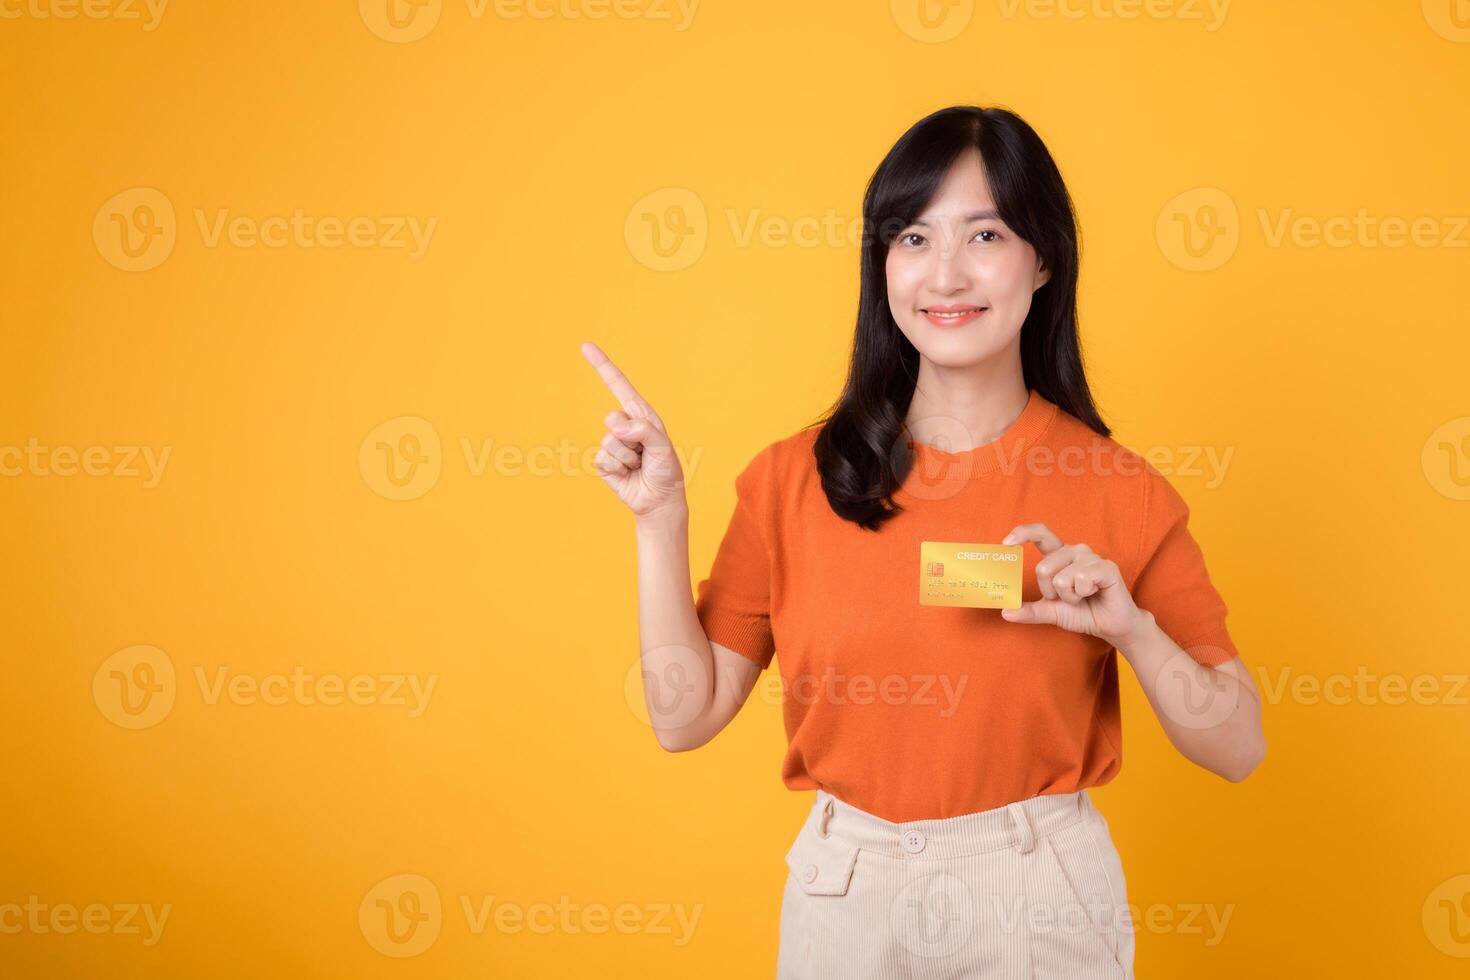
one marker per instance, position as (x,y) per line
(1083,591)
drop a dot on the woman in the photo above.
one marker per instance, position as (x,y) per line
(950,729)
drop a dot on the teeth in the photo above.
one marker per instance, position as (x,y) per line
(950,316)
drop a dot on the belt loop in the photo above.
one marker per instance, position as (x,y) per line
(1025,839)
(825,816)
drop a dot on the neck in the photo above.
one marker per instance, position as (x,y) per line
(961,408)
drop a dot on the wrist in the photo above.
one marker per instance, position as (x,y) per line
(1142,628)
(668,518)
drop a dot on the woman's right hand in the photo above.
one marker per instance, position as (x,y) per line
(636,459)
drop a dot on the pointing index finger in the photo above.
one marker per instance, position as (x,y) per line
(1046,539)
(621,387)
(627,396)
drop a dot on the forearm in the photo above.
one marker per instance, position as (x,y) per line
(677,663)
(1212,717)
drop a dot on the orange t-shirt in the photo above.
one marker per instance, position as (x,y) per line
(916,712)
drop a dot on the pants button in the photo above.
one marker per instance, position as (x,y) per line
(913,841)
(809,873)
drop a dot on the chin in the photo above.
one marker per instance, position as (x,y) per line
(957,359)
(952,351)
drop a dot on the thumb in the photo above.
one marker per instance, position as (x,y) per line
(654,442)
(1041,611)
(642,431)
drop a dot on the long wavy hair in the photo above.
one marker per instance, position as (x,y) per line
(862,450)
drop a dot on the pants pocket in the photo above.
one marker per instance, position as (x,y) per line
(1112,865)
(820,872)
(1078,932)
(821,863)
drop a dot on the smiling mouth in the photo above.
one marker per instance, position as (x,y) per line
(951,315)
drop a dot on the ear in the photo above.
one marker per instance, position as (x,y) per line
(1043,276)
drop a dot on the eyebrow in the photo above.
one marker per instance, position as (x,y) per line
(985,215)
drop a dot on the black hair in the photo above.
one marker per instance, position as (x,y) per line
(861,451)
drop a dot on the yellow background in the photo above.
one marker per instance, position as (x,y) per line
(1334,376)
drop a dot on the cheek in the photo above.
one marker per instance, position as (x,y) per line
(904,279)
(1012,273)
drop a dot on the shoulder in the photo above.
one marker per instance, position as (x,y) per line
(789,461)
(1141,504)
(1110,466)
(790,451)
(780,465)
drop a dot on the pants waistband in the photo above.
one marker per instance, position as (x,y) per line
(1015,825)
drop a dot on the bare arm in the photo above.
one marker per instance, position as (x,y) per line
(692,687)
(1211,714)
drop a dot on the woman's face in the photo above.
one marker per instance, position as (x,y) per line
(959,280)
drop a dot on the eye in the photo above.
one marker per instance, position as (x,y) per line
(995,235)
(908,239)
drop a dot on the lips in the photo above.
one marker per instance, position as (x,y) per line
(952,315)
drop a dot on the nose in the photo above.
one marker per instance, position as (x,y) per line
(949,274)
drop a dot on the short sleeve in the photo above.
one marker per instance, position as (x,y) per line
(734,602)
(1173,582)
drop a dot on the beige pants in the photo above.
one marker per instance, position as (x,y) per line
(1032,889)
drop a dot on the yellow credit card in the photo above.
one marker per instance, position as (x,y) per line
(982,576)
